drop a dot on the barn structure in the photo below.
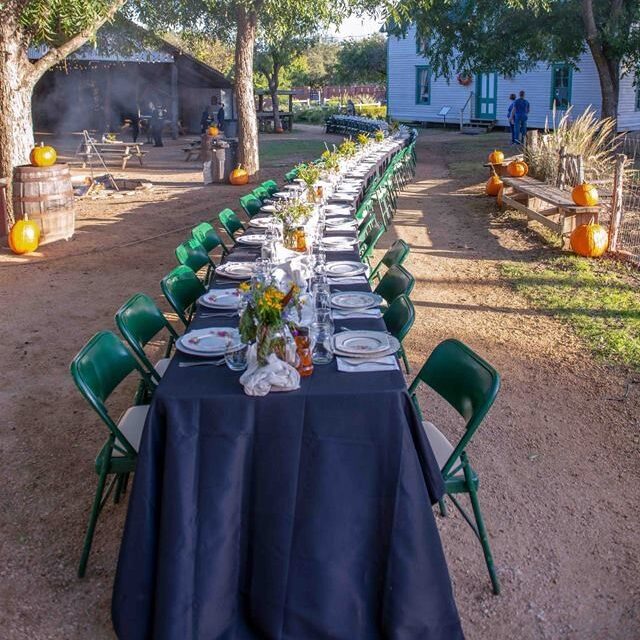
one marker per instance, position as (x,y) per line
(97,87)
(416,94)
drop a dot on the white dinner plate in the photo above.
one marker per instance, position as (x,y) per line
(344,269)
(262,222)
(236,270)
(355,300)
(334,241)
(394,346)
(221,299)
(338,221)
(361,343)
(268,208)
(208,342)
(252,238)
(284,194)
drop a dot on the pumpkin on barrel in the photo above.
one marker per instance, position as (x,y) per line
(239,176)
(43,156)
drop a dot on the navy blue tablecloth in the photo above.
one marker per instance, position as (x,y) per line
(303,515)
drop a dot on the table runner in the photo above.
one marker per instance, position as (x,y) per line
(296,516)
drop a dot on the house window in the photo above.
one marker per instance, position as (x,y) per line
(423,85)
(561,86)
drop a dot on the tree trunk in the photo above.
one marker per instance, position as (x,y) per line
(275,99)
(247,118)
(16,87)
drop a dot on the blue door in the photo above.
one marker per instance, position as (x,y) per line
(486,96)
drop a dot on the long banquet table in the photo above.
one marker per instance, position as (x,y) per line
(296,516)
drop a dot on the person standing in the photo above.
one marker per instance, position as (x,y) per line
(521,113)
(157,122)
(511,118)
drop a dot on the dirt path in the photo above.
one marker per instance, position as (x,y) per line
(557,456)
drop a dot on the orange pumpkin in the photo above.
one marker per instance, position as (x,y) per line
(496,157)
(279,130)
(42,156)
(24,236)
(590,240)
(585,195)
(517,168)
(239,176)
(213,130)
(494,184)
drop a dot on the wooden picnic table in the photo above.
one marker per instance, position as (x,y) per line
(122,151)
(546,204)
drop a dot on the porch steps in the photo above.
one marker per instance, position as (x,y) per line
(476,126)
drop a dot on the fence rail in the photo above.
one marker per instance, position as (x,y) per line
(628,233)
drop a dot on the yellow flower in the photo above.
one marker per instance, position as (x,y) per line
(244,287)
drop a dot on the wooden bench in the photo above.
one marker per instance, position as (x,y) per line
(546,204)
(193,150)
(107,150)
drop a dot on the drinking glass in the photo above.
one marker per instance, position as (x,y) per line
(323,315)
(236,356)
(321,338)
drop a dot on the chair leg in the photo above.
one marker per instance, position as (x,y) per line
(118,492)
(484,540)
(406,362)
(443,507)
(93,518)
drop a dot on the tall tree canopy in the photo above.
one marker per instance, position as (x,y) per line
(508,37)
(362,61)
(317,65)
(63,26)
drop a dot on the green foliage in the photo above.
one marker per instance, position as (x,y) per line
(315,115)
(316,66)
(362,61)
(378,112)
(598,298)
(216,53)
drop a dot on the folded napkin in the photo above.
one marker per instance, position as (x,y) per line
(383,363)
(276,375)
(348,280)
(339,314)
(347,226)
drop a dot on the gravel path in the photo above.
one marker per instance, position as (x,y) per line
(557,456)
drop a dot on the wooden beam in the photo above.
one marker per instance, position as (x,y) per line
(174,100)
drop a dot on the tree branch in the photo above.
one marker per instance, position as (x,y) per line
(57,54)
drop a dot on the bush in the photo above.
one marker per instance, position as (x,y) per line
(372,111)
(315,115)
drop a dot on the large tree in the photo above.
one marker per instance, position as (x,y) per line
(317,65)
(60,27)
(508,37)
(362,61)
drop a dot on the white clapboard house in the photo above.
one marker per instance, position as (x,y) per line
(415,94)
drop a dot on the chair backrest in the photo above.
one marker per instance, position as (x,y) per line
(396,281)
(208,237)
(100,366)
(251,204)
(230,222)
(261,193)
(182,287)
(466,381)
(271,186)
(399,317)
(193,255)
(290,176)
(139,320)
(396,254)
(370,238)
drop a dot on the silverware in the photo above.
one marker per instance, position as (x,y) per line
(358,363)
(202,363)
(226,314)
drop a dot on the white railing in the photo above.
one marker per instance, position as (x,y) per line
(469,103)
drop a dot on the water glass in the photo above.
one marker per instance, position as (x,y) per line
(323,315)
(321,338)
(236,356)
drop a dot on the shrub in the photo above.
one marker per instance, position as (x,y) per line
(378,112)
(315,115)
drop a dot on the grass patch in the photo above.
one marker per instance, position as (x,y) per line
(598,298)
(278,152)
(466,154)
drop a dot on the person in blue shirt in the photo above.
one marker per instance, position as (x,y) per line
(511,118)
(521,113)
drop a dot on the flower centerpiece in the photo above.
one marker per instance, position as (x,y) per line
(262,320)
(309,174)
(293,215)
(347,149)
(330,161)
(363,139)
(379,135)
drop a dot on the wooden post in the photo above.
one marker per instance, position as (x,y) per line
(562,168)
(580,169)
(616,202)
(174,100)
(531,140)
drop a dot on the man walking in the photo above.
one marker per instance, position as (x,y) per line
(511,118)
(521,113)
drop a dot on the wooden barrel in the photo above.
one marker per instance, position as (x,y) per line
(45,195)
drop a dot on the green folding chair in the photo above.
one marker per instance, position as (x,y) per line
(368,238)
(271,186)
(182,287)
(99,368)
(261,193)
(251,204)
(208,237)
(399,319)
(230,223)
(395,282)
(140,320)
(396,254)
(290,176)
(470,385)
(193,255)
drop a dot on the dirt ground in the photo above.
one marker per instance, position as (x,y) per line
(557,456)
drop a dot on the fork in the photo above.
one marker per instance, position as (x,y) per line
(359,363)
(202,363)
(226,314)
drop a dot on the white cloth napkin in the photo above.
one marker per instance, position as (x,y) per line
(348,280)
(276,375)
(383,363)
(338,314)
